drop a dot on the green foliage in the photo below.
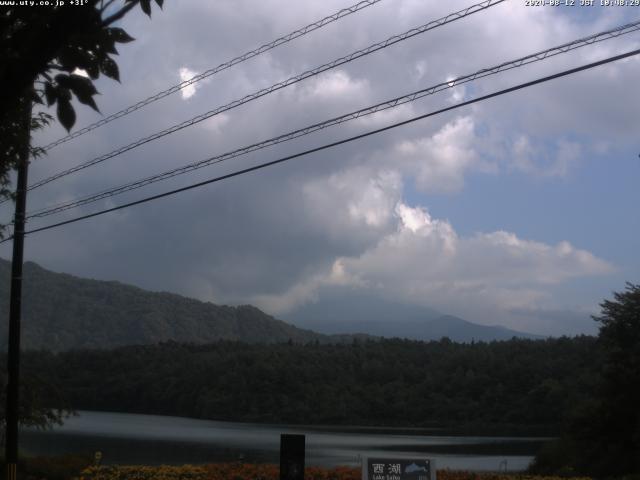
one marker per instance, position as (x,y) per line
(610,436)
(41,401)
(40,52)
(61,41)
(389,382)
(602,437)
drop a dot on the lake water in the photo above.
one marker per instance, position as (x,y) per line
(149,439)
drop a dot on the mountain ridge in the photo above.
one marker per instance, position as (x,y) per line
(63,311)
(340,312)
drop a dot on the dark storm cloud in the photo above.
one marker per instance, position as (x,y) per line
(278,236)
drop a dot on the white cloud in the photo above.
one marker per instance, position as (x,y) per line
(420,69)
(440,162)
(190,90)
(388,116)
(457,94)
(215,123)
(300,294)
(419,223)
(306,291)
(425,261)
(353,202)
(336,84)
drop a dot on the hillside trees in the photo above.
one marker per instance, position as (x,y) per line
(602,436)
(516,385)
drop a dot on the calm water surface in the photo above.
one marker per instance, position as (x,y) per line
(150,439)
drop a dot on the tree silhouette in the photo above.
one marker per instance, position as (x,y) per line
(602,436)
(47,55)
(42,52)
(614,439)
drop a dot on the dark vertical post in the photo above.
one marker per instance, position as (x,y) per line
(291,457)
(13,357)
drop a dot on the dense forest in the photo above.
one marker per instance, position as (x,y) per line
(526,383)
(583,388)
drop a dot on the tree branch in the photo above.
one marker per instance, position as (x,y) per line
(119,14)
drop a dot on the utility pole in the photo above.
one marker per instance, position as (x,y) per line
(13,357)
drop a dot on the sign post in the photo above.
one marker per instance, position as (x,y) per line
(15,305)
(374,468)
(292,457)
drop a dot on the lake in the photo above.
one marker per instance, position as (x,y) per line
(151,439)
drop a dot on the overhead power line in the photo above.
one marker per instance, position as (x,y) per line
(223,66)
(290,81)
(340,142)
(535,57)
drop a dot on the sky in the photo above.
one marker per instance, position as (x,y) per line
(519,211)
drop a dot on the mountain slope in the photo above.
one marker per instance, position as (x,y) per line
(340,312)
(61,311)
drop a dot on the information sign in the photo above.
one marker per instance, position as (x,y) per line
(398,469)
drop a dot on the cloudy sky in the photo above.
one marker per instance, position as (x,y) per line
(520,210)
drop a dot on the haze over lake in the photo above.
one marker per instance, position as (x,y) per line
(131,438)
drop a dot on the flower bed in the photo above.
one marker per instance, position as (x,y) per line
(245,471)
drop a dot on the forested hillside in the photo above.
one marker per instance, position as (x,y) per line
(528,383)
(61,312)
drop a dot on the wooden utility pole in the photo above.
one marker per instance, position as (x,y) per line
(13,358)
